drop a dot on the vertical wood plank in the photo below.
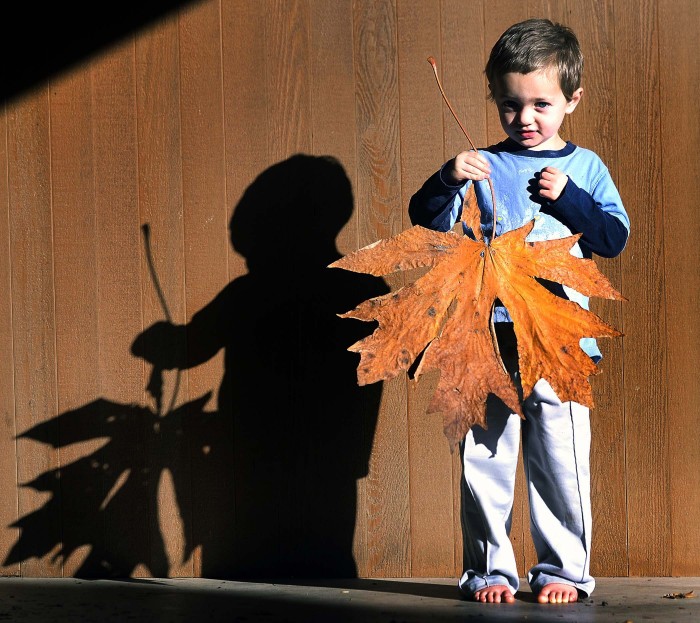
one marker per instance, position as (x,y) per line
(430,462)
(33,315)
(246,117)
(206,215)
(247,125)
(119,302)
(384,493)
(8,445)
(593,125)
(463,57)
(288,91)
(554,10)
(346,412)
(160,201)
(289,133)
(644,317)
(498,16)
(75,299)
(679,80)
(332,97)
(464,52)
(331,80)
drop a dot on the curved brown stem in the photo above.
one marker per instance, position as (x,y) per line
(433,63)
(155,385)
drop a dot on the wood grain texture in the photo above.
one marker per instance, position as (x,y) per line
(246,117)
(462,60)
(161,207)
(288,89)
(120,291)
(644,322)
(75,300)
(34,349)
(679,80)
(206,216)
(384,495)
(246,66)
(289,133)
(593,125)
(430,463)
(332,93)
(333,134)
(8,446)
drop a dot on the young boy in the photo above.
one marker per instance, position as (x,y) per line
(534,76)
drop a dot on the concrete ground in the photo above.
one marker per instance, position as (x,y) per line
(616,600)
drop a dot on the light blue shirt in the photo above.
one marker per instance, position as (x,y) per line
(586,206)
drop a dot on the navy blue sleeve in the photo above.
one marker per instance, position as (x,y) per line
(603,231)
(432,204)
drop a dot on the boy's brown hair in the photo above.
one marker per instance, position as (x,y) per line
(534,45)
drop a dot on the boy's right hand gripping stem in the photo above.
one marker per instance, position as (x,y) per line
(470,165)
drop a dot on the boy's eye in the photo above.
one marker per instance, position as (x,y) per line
(510,105)
(542,105)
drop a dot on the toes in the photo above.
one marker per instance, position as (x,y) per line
(493,596)
(557,596)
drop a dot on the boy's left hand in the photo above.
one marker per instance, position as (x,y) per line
(552,183)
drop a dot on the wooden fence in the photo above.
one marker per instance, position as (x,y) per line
(261,456)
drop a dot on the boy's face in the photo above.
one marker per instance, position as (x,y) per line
(532,108)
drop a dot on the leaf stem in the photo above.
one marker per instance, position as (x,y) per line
(157,372)
(433,63)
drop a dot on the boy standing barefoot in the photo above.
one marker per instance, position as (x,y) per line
(534,73)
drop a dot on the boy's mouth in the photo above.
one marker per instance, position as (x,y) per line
(526,134)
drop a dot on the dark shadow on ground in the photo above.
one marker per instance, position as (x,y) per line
(430,590)
(33,600)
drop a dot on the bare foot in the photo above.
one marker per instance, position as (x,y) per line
(557,594)
(494,595)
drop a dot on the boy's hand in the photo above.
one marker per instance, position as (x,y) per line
(469,165)
(552,183)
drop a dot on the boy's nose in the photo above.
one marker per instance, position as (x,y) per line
(525,117)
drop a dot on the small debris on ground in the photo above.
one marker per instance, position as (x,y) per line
(690,595)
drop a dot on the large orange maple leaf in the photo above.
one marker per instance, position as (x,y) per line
(445,316)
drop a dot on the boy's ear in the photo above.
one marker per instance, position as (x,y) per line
(573,102)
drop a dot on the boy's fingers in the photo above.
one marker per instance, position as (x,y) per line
(474,171)
(482,166)
(483,162)
(472,165)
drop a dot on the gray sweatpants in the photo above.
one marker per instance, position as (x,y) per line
(556,445)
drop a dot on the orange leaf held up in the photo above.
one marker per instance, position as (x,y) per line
(444,318)
(469,276)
